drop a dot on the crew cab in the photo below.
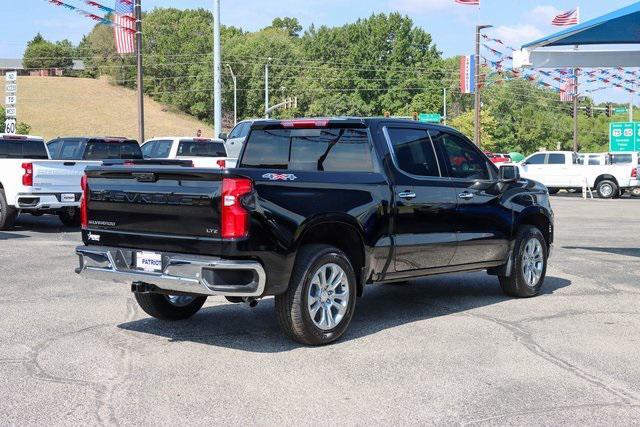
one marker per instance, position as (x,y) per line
(32,183)
(202,152)
(315,210)
(565,170)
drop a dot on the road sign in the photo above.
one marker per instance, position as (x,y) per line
(430,118)
(11,87)
(11,76)
(10,99)
(623,136)
(10,126)
(10,112)
(621,110)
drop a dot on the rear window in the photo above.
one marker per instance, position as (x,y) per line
(105,150)
(329,150)
(23,149)
(556,159)
(67,148)
(204,148)
(621,159)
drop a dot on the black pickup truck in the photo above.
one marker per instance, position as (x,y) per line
(315,210)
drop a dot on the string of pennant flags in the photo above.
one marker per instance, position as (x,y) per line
(99,19)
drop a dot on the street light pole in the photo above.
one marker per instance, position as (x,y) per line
(444,109)
(139,77)
(575,109)
(478,99)
(217,70)
(235,96)
(266,88)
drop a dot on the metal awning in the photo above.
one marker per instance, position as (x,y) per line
(621,27)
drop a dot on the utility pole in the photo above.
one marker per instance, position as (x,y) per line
(631,108)
(139,78)
(217,71)
(575,110)
(235,96)
(444,109)
(266,88)
(478,100)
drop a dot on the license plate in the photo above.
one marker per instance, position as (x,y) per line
(68,197)
(149,261)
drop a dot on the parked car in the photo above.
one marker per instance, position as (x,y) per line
(234,141)
(315,210)
(203,152)
(31,183)
(563,170)
(498,158)
(94,148)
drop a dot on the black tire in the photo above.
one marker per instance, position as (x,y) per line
(160,307)
(8,214)
(574,190)
(607,189)
(291,307)
(553,190)
(515,285)
(635,192)
(70,217)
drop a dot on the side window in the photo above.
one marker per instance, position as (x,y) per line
(163,149)
(463,160)
(556,159)
(536,159)
(54,148)
(245,130)
(414,151)
(148,148)
(237,131)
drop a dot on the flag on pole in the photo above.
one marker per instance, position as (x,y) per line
(567,90)
(571,17)
(467,74)
(469,2)
(125,27)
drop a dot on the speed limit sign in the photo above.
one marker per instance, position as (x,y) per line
(10,126)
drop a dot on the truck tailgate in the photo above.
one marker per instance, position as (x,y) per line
(57,176)
(155,201)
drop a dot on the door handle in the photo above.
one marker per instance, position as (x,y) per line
(407,195)
(466,195)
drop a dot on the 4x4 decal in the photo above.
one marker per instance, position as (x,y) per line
(280,176)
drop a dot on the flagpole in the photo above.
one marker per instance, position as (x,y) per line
(138,16)
(575,110)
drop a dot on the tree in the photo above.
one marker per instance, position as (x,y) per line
(291,26)
(465,123)
(43,54)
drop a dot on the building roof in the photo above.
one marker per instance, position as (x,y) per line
(16,64)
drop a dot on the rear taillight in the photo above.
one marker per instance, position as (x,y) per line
(235,218)
(27,177)
(84,218)
(634,172)
(222,163)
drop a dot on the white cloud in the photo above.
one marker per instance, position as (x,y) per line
(420,6)
(516,35)
(544,14)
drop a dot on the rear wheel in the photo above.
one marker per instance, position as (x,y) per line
(553,190)
(70,217)
(169,307)
(319,304)
(607,189)
(8,213)
(635,192)
(529,264)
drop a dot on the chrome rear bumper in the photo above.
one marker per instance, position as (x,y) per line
(189,274)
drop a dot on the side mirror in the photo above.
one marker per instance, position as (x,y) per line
(223,136)
(509,173)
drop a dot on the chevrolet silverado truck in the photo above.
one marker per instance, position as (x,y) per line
(314,211)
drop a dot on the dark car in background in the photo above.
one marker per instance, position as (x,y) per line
(94,148)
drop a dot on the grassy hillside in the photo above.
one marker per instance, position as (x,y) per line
(65,106)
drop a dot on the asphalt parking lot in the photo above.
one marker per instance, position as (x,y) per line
(445,350)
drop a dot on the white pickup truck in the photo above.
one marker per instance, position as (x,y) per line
(202,152)
(565,170)
(31,183)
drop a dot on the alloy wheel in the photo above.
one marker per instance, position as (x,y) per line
(532,262)
(328,296)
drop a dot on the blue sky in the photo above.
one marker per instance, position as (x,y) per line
(451,25)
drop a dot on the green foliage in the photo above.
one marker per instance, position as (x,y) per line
(291,26)
(465,123)
(43,54)
(21,128)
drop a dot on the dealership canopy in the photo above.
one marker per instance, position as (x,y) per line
(590,44)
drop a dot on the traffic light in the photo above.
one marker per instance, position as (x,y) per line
(588,110)
(415,116)
(609,111)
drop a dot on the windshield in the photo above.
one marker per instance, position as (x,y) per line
(105,150)
(204,148)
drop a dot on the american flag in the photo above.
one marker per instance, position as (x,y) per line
(125,27)
(567,90)
(469,2)
(571,17)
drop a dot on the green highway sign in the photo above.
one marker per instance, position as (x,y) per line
(621,110)
(624,136)
(430,118)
